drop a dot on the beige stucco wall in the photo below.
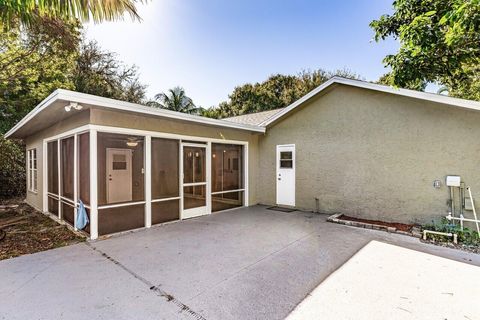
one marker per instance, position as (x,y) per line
(134,121)
(35,199)
(374,155)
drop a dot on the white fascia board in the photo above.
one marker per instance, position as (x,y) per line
(456,102)
(138,108)
(67,95)
(42,105)
(306,97)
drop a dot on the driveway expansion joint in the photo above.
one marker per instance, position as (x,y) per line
(183,308)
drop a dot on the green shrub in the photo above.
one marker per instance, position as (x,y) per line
(465,236)
(12,169)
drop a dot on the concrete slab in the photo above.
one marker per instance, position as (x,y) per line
(383,281)
(246,263)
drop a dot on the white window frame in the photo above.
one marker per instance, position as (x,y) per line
(32,172)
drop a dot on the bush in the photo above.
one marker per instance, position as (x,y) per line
(12,169)
(465,236)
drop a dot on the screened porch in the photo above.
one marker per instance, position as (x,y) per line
(129,179)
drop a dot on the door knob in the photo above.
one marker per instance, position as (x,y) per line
(279,179)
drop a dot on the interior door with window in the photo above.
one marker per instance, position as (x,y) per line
(194,180)
(119,175)
(286,175)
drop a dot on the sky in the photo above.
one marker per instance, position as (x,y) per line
(209,47)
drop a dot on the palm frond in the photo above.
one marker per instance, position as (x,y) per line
(27,11)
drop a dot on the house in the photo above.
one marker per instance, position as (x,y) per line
(348,146)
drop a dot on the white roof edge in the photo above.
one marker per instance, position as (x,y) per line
(42,105)
(462,103)
(62,94)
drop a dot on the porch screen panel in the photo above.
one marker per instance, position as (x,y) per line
(68,212)
(165,180)
(66,166)
(84,167)
(122,179)
(53,205)
(120,167)
(165,171)
(227,200)
(52,167)
(164,211)
(118,219)
(227,176)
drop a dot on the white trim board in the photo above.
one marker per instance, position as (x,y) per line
(83,98)
(67,95)
(433,97)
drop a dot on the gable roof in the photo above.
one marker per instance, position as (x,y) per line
(433,97)
(257,122)
(253,118)
(49,110)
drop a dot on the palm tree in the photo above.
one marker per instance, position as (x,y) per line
(28,11)
(175,100)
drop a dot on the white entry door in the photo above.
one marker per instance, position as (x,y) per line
(286,175)
(119,175)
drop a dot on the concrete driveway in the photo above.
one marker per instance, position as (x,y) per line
(249,263)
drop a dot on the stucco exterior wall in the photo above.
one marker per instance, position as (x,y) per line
(374,155)
(134,121)
(35,199)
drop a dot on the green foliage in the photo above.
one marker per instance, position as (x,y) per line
(33,63)
(28,12)
(277,91)
(176,100)
(465,236)
(439,42)
(50,55)
(46,56)
(12,168)
(98,72)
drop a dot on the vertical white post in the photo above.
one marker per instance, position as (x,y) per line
(208,170)
(59,180)
(75,182)
(180,176)
(44,177)
(93,186)
(245,175)
(148,181)
(29,165)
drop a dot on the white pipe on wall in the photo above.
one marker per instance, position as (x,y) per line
(473,207)
(454,235)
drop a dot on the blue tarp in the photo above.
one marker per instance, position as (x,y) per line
(82,217)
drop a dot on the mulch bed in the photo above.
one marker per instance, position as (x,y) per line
(29,231)
(398,226)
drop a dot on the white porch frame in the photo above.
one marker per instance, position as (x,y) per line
(147,135)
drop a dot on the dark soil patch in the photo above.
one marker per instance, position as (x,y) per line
(459,246)
(400,226)
(31,232)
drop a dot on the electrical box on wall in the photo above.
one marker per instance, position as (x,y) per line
(452,181)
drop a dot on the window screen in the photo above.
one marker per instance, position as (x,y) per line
(52,167)
(123,185)
(84,167)
(165,168)
(227,176)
